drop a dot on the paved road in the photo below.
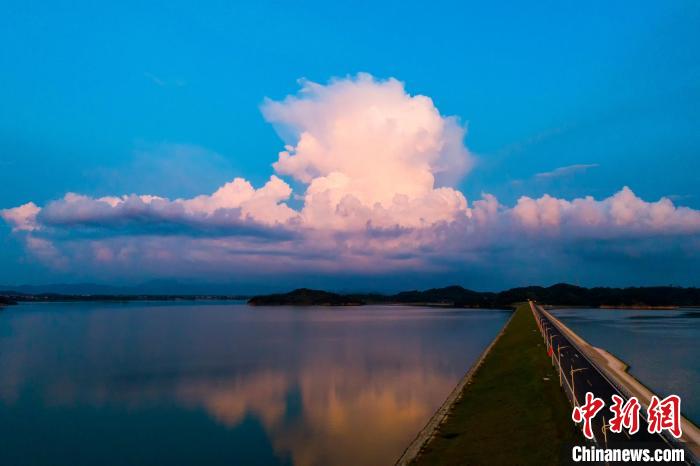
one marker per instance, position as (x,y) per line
(588,379)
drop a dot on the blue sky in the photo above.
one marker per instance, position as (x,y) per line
(165,98)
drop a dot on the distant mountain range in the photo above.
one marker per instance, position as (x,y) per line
(561,294)
(160,290)
(59,288)
(153,287)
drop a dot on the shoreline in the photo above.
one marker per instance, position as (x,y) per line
(242,302)
(216,298)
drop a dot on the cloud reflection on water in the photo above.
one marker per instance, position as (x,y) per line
(328,389)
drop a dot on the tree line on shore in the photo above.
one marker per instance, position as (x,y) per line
(561,294)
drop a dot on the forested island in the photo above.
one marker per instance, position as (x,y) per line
(561,294)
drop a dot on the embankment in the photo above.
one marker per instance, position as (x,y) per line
(512,398)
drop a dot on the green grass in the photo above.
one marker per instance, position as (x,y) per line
(508,414)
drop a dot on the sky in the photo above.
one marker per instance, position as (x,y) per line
(360,146)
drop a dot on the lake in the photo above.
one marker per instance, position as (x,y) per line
(221,383)
(662,347)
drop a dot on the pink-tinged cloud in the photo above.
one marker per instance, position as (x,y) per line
(22,218)
(370,152)
(621,214)
(376,168)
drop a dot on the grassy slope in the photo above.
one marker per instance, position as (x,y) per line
(508,414)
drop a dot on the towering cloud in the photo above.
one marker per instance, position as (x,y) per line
(370,153)
(376,169)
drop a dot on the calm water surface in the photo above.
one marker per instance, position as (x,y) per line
(662,348)
(163,383)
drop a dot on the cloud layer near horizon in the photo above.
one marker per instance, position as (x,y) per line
(377,169)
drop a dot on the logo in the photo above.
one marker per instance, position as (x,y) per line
(661,415)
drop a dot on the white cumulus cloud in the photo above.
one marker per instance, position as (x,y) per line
(376,168)
(370,152)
